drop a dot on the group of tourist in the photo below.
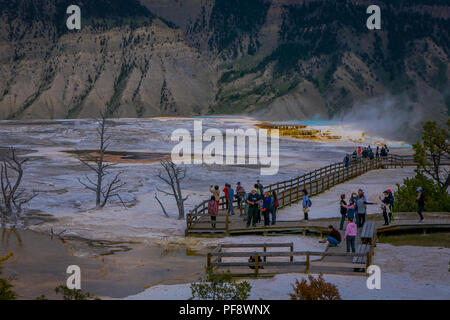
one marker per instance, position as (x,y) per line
(256,203)
(367,153)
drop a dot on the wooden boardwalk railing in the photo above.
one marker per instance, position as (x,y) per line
(315,182)
(342,261)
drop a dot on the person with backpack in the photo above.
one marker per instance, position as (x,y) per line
(350,235)
(267,208)
(346,161)
(420,203)
(351,208)
(306,204)
(213,210)
(252,201)
(240,193)
(276,204)
(391,205)
(230,200)
(385,202)
(343,210)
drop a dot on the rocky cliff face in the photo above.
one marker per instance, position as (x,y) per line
(278,59)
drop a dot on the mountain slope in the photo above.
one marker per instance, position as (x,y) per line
(276,59)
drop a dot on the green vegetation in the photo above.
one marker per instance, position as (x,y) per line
(441,239)
(6,291)
(72,294)
(429,152)
(220,286)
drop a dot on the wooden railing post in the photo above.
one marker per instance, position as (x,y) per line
(265,250)
(292,250)
(307,263)
(227,225)
(208,260)
(256,264)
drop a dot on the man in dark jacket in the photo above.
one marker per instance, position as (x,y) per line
(334,238)
(420,203)
(252,201)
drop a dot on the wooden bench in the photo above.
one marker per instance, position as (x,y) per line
(367,232)
(361,253)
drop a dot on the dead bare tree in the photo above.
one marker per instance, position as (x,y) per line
(172,174)
(104,190)
(13,197)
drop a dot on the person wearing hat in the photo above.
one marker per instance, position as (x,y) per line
(252,201)
(420,202)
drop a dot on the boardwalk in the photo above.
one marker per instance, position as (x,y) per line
(334,260)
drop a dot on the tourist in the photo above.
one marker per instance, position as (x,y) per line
(377,155)
(230,200)
(306,204)
(267,208)
(276,204)
(260,188)
(346,161)
(355,198)
(361,210)
(216,193)
(225,192)
(361,192)
(240,194)
(351,208)
(385,203)
(334,238)
(343,210)
(359,151)
(213,210)
(354,155)
(420,203)
(350,235)
(391,205)
(252,201)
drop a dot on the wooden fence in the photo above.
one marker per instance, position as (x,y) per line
(315,182)
(215,258)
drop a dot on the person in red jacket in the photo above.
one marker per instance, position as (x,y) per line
(225,192)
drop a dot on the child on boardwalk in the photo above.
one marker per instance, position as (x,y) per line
(213,210)
(216,193)
(306,204)
(350,235)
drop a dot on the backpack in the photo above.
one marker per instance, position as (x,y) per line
(276,203)
(309,203)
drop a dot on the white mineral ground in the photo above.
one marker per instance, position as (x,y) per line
(54,175)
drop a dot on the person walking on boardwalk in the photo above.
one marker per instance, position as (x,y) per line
(420,203)
(213,210)
(267,208)
(252,201)
(306,204)
(385,203)
(343,210)
(350,235)
(230,200)
(346,161)
(216,193)
(391,205)
(225,192)
(334,238)
(276,204)
(260,202)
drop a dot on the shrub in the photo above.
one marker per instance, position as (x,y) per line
(220,287)
(6,292)
(316,289)
(74,294)
(436,199)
